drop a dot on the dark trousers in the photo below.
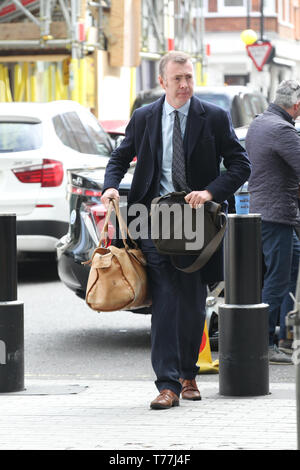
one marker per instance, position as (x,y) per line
(288,303)
(178,316)
(278,255)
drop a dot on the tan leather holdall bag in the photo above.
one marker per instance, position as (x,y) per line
(117,278)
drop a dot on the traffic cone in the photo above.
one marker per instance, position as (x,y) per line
(205,363)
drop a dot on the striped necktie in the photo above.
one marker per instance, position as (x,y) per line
(178,162)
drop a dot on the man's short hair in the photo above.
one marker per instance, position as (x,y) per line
(287,93)
(172,56)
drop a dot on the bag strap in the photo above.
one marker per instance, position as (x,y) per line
(104,231)
(113,204)
(208,251)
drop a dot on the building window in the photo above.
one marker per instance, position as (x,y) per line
(280,10)
(236,79)
(238,7)
(287,10)
(234,7)
(233,3)
(284,12)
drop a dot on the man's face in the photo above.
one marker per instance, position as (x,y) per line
(178,83)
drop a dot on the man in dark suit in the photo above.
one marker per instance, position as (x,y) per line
(178,308)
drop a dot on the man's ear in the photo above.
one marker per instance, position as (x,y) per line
(161,81)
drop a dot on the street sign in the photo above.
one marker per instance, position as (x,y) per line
(259,53)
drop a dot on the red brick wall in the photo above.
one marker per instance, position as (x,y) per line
(238,24)
(270,24)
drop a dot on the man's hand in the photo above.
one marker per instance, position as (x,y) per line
(110,193)
(196,198)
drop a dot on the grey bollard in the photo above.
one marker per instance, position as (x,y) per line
(11,311)
(243,319)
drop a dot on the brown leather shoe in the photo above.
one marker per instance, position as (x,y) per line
(190,390)
(166,399)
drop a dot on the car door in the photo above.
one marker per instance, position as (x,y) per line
(20,163)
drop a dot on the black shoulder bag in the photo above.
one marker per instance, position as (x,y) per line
(173,222)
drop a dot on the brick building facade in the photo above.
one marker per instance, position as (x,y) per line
(228,61)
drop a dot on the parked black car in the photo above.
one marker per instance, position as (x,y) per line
(242,102)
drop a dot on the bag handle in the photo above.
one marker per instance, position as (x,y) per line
(113,204)
(123,227)
(104,231)
(208,251)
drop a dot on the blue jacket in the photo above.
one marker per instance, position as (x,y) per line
(209,137)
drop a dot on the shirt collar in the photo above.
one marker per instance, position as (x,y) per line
(184,109)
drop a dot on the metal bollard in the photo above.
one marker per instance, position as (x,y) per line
(243,319)
(11,311)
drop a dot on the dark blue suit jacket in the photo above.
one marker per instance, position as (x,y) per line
(209,137)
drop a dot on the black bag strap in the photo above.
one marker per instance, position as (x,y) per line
(208,251)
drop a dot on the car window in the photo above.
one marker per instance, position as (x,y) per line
(248,109)
(96,133)
(220,100)
(79,136)
(256,104)
(20,136)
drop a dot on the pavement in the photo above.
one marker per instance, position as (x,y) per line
(114,415)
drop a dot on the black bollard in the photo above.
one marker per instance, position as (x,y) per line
(243,319)
(11,311)
(8,258)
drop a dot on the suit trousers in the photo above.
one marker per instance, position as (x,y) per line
(178,317)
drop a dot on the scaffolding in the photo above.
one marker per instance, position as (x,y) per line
(48,47)
(77,24)
(174,24)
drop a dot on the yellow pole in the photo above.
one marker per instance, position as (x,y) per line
(51,82)
(201,78)
(82,81)
(7,85)
(57,87)
(19,83)
(198,73)
(132,86)
(33,83)
(26,80)
(5,92)
(2,84)
(61,92)
(45,81)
